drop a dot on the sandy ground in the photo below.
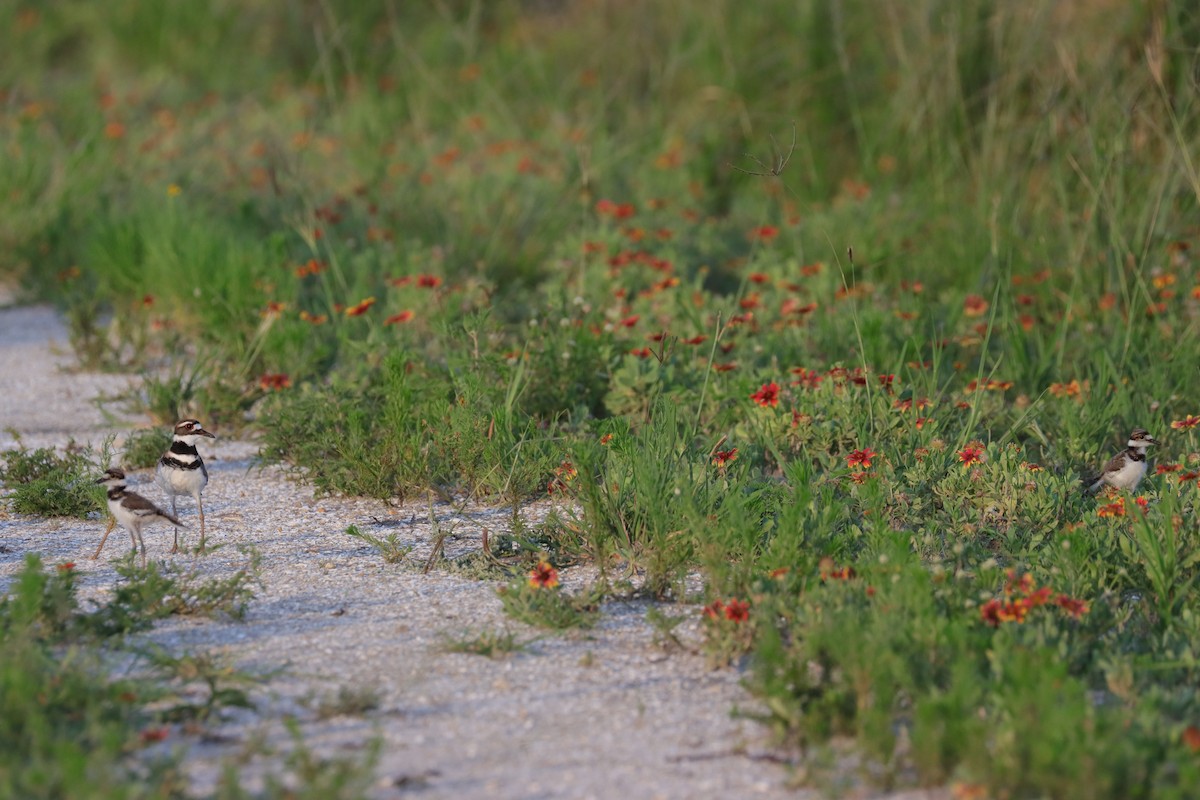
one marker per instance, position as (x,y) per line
(603,713)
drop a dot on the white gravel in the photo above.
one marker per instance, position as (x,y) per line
(605,713)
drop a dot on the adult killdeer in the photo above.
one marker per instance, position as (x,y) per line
(1128,467)
(130,510)
(181,470)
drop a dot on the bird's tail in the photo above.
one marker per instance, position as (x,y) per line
(1092,485)
(171,519)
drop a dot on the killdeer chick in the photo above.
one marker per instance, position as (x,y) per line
(181,470)
(1128,467)
(131,510)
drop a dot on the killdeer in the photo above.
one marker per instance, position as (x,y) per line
(1128,467)
(130,510)
(181,470)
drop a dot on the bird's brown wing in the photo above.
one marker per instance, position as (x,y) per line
(1114,464)
(144,508)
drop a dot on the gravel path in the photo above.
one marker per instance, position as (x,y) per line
(605,713)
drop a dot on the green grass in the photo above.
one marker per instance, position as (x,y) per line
(535,262)
(47,483)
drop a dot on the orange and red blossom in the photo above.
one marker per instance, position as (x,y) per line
(543,576)
(861,459)
(402,317)
(274,382)
(1021,596)
(360,308)
(831,572)
(737,611)
(722,458)
(1190,421)
(734,611)
(767,396)
(970,455)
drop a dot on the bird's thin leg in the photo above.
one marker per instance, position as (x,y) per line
(112,523)
(143,544)
(200,505)
(175,547)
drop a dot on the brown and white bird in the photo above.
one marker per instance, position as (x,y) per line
(1127,468)
(181,469)
(131,511)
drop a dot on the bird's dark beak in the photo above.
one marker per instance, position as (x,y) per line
(203,432)
(1152,440)
(101,479)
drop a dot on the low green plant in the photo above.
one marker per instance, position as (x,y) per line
(308,776)
(389,546)
(551,608)
(147,593)
(664,626)
(348,701)
(220,684)
(46,483)
(144,447)
(66,725)
(488,643)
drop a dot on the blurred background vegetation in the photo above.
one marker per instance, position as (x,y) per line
(489,129)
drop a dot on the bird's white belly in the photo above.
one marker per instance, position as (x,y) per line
(181,481)
(1129,475)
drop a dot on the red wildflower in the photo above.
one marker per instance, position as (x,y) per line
(1164,468)
(66,566)
(429,281)
(607,208)
(155,734)
(758,277)
(975,306)
(1190,421)
(1191,738)
(310,267)
(1072,389)
(768,395)
(361,308)
(990,612)
(629,322)
(722,458)
(764,233)
(1018,586)
(1116,509)
(699,339)
(606,438)
(808,378)
(970,455)
(713,610)
(1076,608)
(861,459)
(830,571)
(1142,503)
(543,576)
(859,477)
(274,382)
(737,611)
